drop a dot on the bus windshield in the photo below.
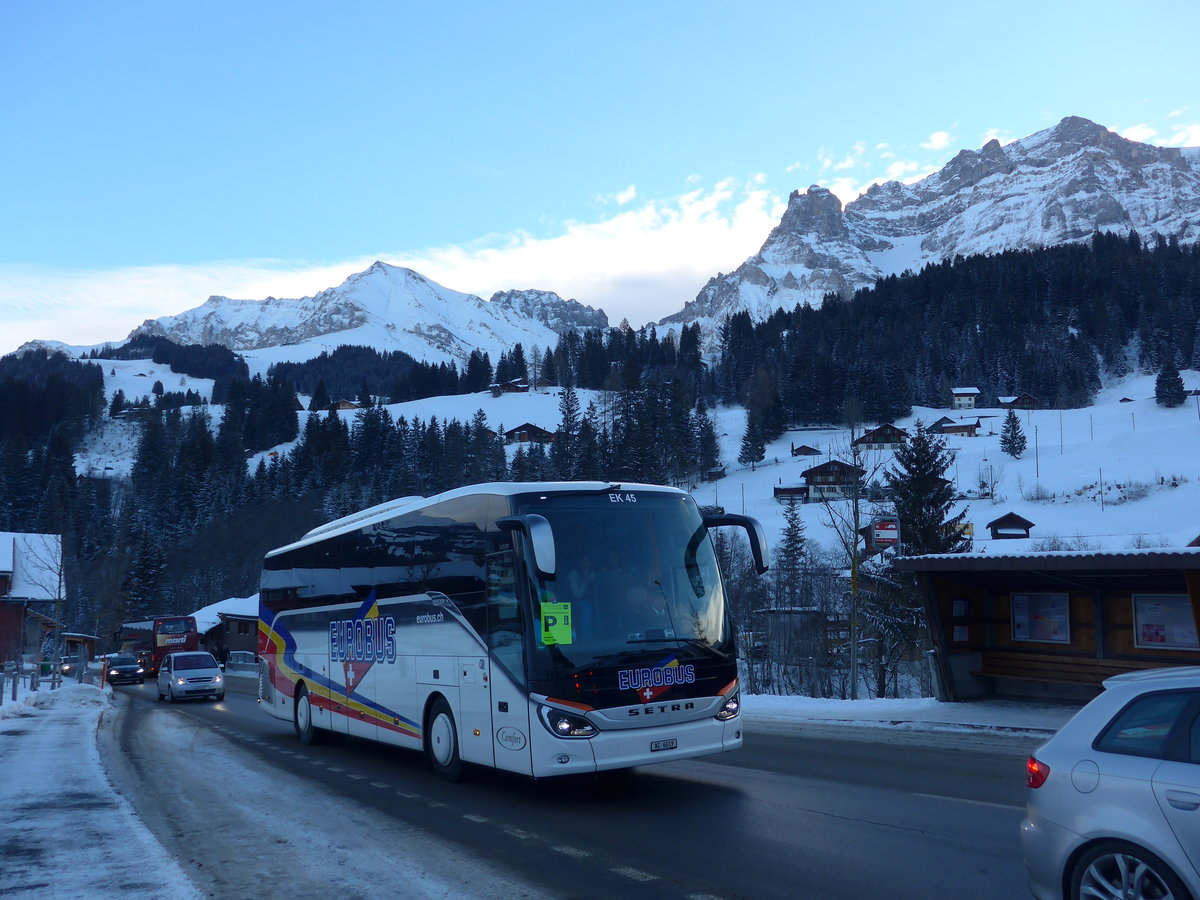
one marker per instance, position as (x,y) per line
(635,572)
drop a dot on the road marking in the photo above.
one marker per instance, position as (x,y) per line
(972,802)
(703,897)
(357,777)
(571,851)
(336,769)
(380,784)
(407,796)
(518,834)
(473,818)
(635,874)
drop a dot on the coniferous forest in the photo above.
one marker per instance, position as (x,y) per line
(190,523)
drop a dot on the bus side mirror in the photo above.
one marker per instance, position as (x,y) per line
(754,530)
(541,539)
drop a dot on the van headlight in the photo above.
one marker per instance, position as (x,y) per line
(564,724)
(731,708)
(217,679)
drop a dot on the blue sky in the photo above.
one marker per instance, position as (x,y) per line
(621,153)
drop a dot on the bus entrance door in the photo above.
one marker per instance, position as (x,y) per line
(474,673)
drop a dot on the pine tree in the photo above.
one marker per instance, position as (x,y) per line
(1012,438)
(320,398)
(788,570)
(753,450)
(563,451)
(1168,387)
(924,496)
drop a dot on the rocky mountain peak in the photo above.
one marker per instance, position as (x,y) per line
(1056,186)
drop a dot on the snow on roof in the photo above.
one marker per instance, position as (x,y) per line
(35,563)
(209,616)
(964,390)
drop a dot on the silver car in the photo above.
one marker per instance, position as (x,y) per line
(190,673)
(1113,800)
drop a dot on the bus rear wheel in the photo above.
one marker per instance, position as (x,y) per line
(303,720)
(441,741)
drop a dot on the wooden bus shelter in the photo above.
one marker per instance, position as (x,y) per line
(1056,624)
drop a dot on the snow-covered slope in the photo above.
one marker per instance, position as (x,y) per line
(386,307)
(1054,187)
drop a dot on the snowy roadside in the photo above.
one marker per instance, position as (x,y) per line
(65,831)
(71,834)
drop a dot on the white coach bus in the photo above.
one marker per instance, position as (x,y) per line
(540,628)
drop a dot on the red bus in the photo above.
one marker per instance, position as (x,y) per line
(172,633)
(136,639)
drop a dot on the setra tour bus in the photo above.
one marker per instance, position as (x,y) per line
(171,633)
(544,629)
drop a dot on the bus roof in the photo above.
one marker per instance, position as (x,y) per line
(389,510)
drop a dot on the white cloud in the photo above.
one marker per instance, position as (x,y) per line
(939,140)
(998,134)
(902,168)
(627,195)
(1176,113)
(1185,136)
(643,263)
(1141,133)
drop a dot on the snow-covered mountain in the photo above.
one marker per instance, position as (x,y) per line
(1054,187)
(386,307)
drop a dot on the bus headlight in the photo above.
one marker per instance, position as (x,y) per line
(733,706)
(564,724)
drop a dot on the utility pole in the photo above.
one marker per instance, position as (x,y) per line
(854,574)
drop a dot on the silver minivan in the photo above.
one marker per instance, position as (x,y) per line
(190,673)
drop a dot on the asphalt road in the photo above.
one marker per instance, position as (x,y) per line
(814,813)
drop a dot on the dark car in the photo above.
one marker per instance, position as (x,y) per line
(124,668)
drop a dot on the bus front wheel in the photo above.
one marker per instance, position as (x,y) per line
(441,741)
(302,718)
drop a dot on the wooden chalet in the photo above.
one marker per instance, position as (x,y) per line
(512,386)
(805,450)
(527,433)
(961,429)
(1020,401)
(341,405)
(885,437)
(833,480)
(1056,624)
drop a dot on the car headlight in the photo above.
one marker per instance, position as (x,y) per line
(140,670)
(180,681)
(113,673)
(564,724)
(731,708)
(217,680)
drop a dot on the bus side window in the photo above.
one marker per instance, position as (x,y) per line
(504,613)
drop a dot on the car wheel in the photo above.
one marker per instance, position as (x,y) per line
(302,718)
(160,693)
(219,697)
(141,681)
(171,698)
(441,742)
(1122,870)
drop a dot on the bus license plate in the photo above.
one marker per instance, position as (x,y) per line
(668,744)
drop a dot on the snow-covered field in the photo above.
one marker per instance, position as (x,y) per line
(1115,475)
